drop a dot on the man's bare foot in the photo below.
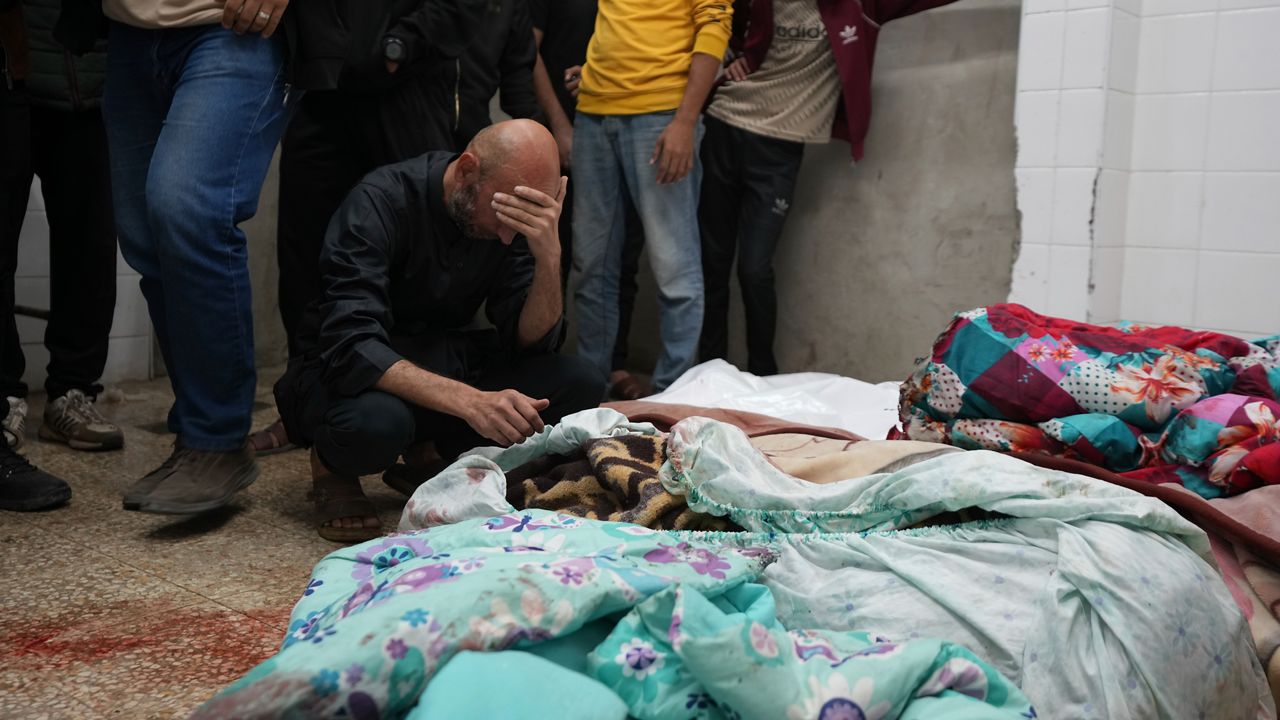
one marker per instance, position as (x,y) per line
(343,513)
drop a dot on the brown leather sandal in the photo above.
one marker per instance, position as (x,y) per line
(342,497)
(271,440)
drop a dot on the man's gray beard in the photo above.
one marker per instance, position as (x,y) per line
(462,207)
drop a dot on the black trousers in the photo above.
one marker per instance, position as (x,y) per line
(628,287)
(367,433)
(333,141)
(68,151)
(747,186)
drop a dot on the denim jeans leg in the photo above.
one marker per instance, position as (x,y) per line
(669,214)
(224,115)
(598,232)
(133,109)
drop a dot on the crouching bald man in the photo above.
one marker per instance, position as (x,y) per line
(391,358)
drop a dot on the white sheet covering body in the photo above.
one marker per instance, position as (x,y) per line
(863,408)
(1097,601)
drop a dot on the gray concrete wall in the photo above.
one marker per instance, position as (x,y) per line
(876,258)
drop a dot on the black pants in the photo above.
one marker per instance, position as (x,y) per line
(68,151)
(334,140)
(632,247)
(747,186)
(366,434)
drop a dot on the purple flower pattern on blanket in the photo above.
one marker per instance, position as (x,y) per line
(414,607)
(419,578)
(520,522)
(701,560)
(388,554)
(959,675)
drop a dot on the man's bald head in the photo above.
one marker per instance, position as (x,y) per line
(518,152)
(500,158)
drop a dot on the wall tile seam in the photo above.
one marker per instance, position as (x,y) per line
(1180,13)
(1206,91)
(1211,251)
(1205,172)
(1208,134)
(1091,285)
(1241,11)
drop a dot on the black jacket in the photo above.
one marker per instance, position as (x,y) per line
(335,43)
(57,79)
(499,59)
(396,269)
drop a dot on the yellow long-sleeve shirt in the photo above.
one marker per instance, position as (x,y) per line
(638,60)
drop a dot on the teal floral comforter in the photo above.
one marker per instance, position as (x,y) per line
(378,621)
(1084,598)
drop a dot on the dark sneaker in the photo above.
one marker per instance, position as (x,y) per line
(194,481)
(15,422)
(73,419)
(24,488)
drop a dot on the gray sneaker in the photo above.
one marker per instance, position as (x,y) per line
(140,490)
(74,419)
(15,423)
(193,481)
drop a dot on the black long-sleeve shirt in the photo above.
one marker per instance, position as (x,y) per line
(395,267)
(499,60)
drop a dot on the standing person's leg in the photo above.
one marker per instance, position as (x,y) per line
(315,175)
(320,162)
(226,117)
(669,214)
(75,179)
(718,212)
(15,188)
(206,169)
(23,487)
(597,235)
(771,168)
(622,384)
(133,110)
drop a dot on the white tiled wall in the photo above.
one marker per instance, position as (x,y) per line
(129,350)
(1149,174)
(1060,117)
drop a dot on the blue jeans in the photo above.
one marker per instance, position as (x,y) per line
(611,160)
(193,116)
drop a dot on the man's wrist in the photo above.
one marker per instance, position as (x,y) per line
(550,257)
(459,403)
(685,120)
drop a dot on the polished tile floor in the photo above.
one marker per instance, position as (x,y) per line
(115,614)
